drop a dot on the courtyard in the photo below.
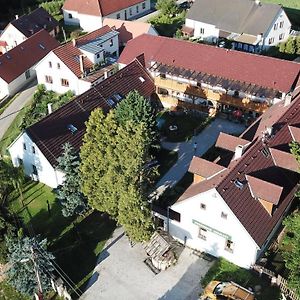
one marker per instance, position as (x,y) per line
(120,273)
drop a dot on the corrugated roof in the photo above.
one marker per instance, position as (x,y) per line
(238,16)
(25,55)
(98,7)
(52,132)
(263,71)
(34,22)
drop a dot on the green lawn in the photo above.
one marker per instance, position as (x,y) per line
(222,270)
(76,243)
(292,8)
(12,132)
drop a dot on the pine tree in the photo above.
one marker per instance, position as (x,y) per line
(21,273)
(69,192)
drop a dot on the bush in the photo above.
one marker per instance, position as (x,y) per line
(53,7)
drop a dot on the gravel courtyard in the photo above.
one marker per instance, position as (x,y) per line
(122,274)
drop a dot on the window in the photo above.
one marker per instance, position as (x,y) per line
(223,215)
(70,16)
(27,74)
(130,11)
(229,246)
(58,65)
(271,41)
(34,170)
(24,146)
(20,162)
(281,24)
(50,64)
(118,16)
(98,55)
(202,233)
(137,9)
(64,82)
(281,36)
(33,149)
(203,206)
(48,79)
(143,5)
(111,42)
(202,30)
(275,26)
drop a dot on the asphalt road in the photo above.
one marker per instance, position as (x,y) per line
(8,116)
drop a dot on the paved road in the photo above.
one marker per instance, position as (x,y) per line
(122,275)
(205,139)
(7,117)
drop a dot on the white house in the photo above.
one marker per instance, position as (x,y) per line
(25,26)
(250,24)
(39,146)
(89,14)
(17,66)
(234,208)
(73,66)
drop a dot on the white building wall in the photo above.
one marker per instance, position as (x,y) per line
(46,173)
(43,69)
(4,91)
(244,248)
(209,32)
(12,36)
(275,33)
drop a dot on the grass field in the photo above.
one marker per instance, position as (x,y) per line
(292,8)
(75,243)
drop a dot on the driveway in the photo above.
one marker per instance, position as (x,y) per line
(122,275)
(205,139)
(8,116)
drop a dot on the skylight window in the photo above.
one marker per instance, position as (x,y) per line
(72,128)
(142,79)
(111,102)
(265,151)
(118,97)
(239,184)
(42,46)
(8,56)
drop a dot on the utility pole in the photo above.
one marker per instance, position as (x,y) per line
(38,279)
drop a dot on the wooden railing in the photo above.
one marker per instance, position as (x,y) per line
(243,103)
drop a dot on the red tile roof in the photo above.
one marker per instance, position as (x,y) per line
(98,7)
(230,142)
(52,132)
(21,58)
(128,29)
(69,54)
(34,22)
(284,160)
(230,64)
(295,132)
(204,167)
(264,190)
(258,163)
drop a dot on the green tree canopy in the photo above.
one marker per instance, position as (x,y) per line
(69,192)
(167,7)
(113,173)
(21,273)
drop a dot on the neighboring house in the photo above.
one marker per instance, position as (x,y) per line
(17,66)
(129,29)
(207,78)
(25,26)
(89,14)
(235,207)
(74,65)
(250,24)
(39,146)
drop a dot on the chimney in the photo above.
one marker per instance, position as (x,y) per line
(17,17)
(74,42)
(105,74)
(81,62)
(287,99)
(239,149)
(49,108)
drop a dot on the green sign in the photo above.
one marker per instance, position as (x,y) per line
(213,230)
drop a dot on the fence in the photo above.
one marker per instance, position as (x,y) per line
(279,281)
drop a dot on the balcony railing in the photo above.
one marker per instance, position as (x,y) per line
(194,91)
